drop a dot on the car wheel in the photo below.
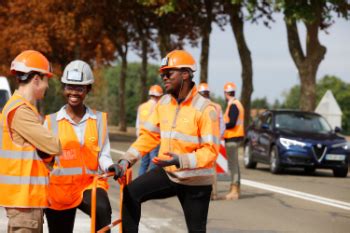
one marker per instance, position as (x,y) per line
(275,165)
(247,158)
(341,172)
(309,170)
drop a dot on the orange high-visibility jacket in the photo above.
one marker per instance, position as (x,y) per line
(74,170)
(189,129)
(143,112)
(220,119)
(24,177)
(238,130)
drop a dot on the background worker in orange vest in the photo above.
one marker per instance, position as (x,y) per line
(26,146)
(143,112)
(86,152)
(187,127)
(234,134)
(203,89)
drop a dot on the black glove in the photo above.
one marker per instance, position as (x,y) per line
(119,169)
(173,160)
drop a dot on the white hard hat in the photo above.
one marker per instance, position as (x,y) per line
(77,72)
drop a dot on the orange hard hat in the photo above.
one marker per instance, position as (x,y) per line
(203,87)
(178,59)
(229,87)
(155,90)
(31,60)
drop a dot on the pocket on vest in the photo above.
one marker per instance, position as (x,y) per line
(61,189)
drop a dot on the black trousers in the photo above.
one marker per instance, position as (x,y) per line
(155,184)
(62,221)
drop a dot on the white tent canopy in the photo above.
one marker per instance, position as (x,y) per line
(329,109)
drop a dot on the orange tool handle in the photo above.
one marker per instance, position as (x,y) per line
(123,181)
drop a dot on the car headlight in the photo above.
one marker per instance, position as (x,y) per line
(289,142)
(344,145)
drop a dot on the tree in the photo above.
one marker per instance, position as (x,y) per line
(62,30)
(236,17)
(315,15)
(111,76)
(260,103)
(339,88)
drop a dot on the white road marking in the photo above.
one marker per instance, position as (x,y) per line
(297,194)
(288,192)
(117,151)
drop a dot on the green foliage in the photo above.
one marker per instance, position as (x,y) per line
(340,91)
(54,99)
(292,98)
(219,100)
(132,92)
(260,103)
(310,11)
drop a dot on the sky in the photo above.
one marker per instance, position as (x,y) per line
(274,71)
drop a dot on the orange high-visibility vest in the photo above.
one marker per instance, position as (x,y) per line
(74,170)
(189,129)
(238,130)
(144,111)
(24,178)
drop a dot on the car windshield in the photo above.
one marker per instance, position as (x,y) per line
(302,122)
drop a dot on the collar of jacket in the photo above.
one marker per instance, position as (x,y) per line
(189,96)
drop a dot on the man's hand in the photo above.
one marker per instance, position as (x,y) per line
(119,169)
(173,159)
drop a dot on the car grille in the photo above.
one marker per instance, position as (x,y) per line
(319,151)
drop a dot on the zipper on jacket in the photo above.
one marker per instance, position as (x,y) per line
(173,125)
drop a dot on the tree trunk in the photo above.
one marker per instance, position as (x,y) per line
(143,77)
(205,33)
(308,64)
(163,38)
(237,24)
(307,75)
(121,90)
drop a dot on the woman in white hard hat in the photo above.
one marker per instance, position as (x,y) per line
(86,152)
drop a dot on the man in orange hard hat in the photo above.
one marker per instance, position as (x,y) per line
(187,128)
(144,111)
(203,89)
(234,134)
(26,146)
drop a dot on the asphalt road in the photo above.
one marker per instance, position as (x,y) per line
(291,202)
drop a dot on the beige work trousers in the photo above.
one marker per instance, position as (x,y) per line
(25,220)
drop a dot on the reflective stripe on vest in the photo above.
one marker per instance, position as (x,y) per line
(24,180)
(23,174)
(147,125)
(7,154)
(194,172)
(190,138)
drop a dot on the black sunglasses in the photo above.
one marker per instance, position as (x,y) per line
(168,73)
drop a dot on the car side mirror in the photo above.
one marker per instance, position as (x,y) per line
(337,129)
(265,126)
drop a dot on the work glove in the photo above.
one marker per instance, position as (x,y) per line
(173,159)
(119,169)
(43,155)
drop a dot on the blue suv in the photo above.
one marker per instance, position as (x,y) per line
(284,138)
